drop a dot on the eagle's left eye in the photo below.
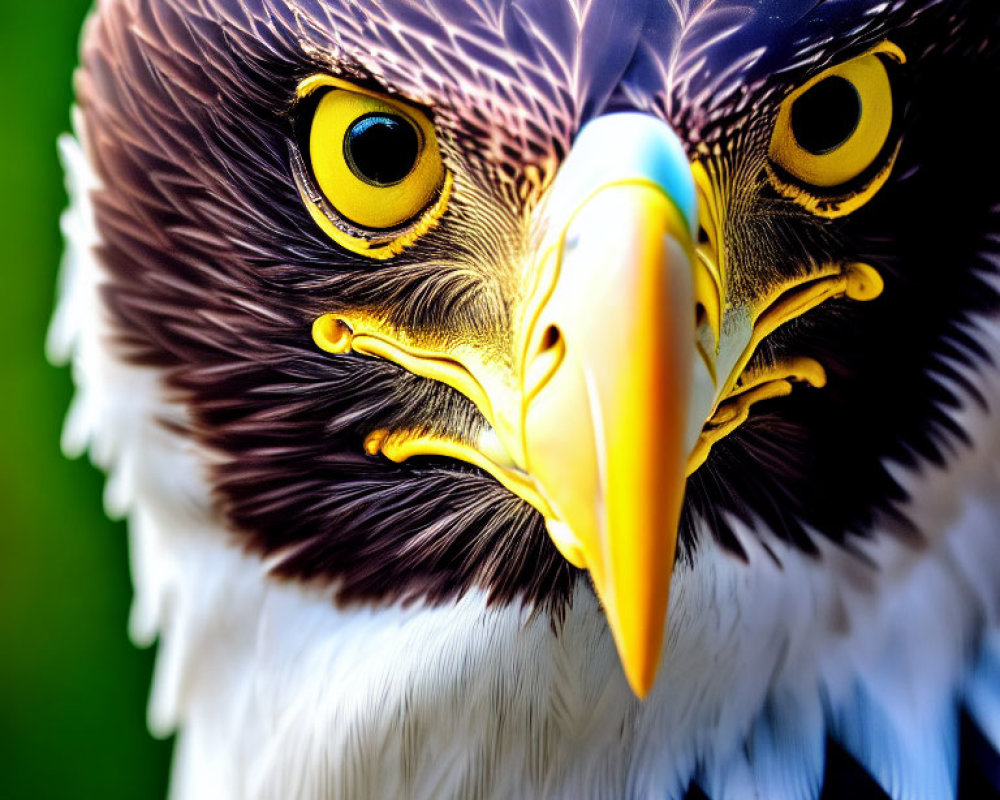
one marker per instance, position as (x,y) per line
(372,174)
(833,140)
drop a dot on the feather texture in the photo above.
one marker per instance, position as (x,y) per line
(214,422)
(279,694)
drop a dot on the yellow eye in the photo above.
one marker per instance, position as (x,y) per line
(376,163)
(833,131)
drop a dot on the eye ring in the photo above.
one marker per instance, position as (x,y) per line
(367,166)
(833,147)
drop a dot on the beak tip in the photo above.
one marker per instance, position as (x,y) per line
(639,651)
(641,675)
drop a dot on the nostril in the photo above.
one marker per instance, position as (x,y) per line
(546,360)
(550,339)
(700,315)
(703,235)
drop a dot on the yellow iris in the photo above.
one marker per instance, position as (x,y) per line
(832,131)
(377,164)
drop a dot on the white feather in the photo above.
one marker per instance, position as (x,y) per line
(277,693)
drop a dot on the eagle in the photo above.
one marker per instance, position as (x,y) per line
(548,398)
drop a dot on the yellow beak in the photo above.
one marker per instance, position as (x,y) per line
(605,434)
(595,423)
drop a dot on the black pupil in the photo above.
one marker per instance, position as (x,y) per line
(825,117)
(381,149)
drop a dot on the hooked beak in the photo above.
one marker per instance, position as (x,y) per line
(605,433)
(596,423)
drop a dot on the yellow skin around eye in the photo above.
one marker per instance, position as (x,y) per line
(369,206)
(868,76)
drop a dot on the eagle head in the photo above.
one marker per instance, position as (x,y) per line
(518,297)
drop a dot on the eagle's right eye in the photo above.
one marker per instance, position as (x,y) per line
(371,172)
(376,160)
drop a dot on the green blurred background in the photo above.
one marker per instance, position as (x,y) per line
(73,689)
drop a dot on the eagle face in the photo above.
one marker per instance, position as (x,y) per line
(518,297)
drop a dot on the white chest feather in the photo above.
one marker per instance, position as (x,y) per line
(277,693)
